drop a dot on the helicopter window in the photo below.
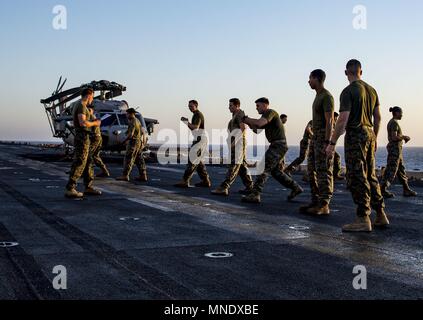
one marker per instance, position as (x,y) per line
(123,120)
(109,121)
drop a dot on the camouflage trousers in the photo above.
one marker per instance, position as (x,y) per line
(273,158)
(238,169)
(196,164)
(134,156)
(320,171)
(95,150)
(395,166)
(304,149)
(82,164)
(361,172)
(337,165)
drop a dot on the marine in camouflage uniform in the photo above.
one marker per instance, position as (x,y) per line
(319,166)
(82,164)
(304,148)
(95,148)
(195,163)
(275,134)
(237,146)
(134,149)
(359,106)
(395,164)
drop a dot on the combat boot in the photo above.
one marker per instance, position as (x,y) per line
(385,193)
(92,192)
(304,209)
(295,192)
(408,193)
(221,191)
(381,220)
(103,174)
(183,185)
(123,178)
(203,184)
(246,191)
(361,224)
(143,177)
(253,197)
(319,210)
(73,194)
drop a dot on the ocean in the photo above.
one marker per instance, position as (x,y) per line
(413,156)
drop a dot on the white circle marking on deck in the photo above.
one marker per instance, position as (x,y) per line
(219,255)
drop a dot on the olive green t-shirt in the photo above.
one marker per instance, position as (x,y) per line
(235,124)
(275,129)
(95,130)
(134,129)
(198,120)
(78,109)
(394,127)
(307,135)
(360,99)
(323,103)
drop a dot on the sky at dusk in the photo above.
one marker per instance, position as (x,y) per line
(167,52)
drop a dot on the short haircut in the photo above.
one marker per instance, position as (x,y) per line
(395,109)
(354,66)
(263,100)
(319,74)
(86,91)
(284,116)
(194,102)
(235,101)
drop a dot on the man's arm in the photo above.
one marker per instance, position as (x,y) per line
(84,122)
(329,125)
(256,124)
(341,126)
(377,120)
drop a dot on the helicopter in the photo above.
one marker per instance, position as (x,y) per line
(114,123)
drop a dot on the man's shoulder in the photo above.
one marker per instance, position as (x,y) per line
(326,93)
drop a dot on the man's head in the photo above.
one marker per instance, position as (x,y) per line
(193,105)
(353,70)
(336,116)
(234,105)
(396,112)
(262,105)
(130,113)
(87,95)
(284,118)
(317,79)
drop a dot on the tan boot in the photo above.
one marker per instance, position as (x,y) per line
(220,191)
(123,178)
(385,193)
(361,224)
(143,177)
(103,174)
(304,209)
(295,192)
(252,198)
(203,184)
(92,192)
(408,193)
(183,184)
(319,210)
(381,220)
(73,194)
(245,191)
